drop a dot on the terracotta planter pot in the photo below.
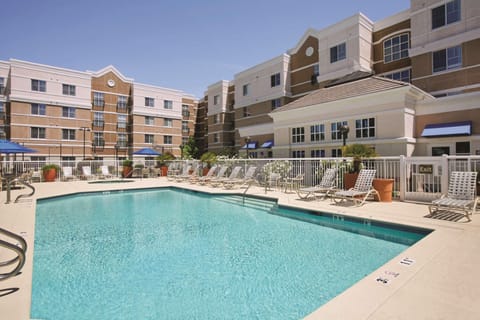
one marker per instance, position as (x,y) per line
(349,180)
(384,188)
(164,171)
(205,171)
(50,175)
(127,172)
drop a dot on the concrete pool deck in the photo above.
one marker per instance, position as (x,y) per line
(434,279)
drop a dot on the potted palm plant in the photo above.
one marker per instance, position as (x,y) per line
(209,158)
(50,172)
(162,162)
(358,152)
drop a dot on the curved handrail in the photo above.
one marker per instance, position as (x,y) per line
(19,249)
(25,195)
(9,184)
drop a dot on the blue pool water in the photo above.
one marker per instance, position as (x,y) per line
(171,254)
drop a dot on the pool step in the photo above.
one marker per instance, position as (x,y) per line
(249,202)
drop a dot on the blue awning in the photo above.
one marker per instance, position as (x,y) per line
(463,128)
(251,145)
(267,144)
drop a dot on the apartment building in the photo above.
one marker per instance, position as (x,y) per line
(432,47)
(220,117)
(71,115)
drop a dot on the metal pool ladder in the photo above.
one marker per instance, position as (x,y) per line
(9,184)
(19,247)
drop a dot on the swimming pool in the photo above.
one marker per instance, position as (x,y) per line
(172,254)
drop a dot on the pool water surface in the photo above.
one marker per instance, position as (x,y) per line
(172,254)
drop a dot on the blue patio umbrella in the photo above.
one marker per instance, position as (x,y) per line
(146,152)
(13,147)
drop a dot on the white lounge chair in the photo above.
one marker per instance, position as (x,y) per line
(209,175)
(185,174)
(249,177)
(87,173)
(326,187)
(461,196)
(105,172)
(67,173)
(233,175)
(220,175)
(361,191)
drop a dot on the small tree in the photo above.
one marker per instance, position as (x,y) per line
(209,158)
(190,149)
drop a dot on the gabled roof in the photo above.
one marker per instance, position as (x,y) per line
(344,91)
(108,69)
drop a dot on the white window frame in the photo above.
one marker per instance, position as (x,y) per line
(298,135)
(168,104)
(68,89)
(39,85)
(365,128)
(335,129)
(68,134)
(246,89)
(149,120)
(275,80)
(216,99)
(403,75)
(99,99)
(453,59)
(396,48)
(317,132)
(167,140)
(69,112)
(38,132)
(38,109)
(340,52)
(122,121)
(149,102)
(451,14)
(149,138)
(167,122)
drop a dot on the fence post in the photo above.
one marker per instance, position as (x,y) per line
(445,174)
(403,177)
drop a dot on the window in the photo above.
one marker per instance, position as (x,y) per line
(38,109)
(365,128)
(317,132)
(439,151)
(122,140)
(149,120)
(167,104)
(122,121)
(462,148)
(298,154)
(39,85)
(98,119)
(216,118)
(2,86)
(167,140)
(276,103)
(400,76)
(149,102)
(37,133)
(316,69)
(336,153)
(446,14)
(216,138)
(68,89)
(317,153)
(246,113)
(68,134)
(2,109)
(446,59)
(216,99)
(298,135)
(149,138)
(185,111)
(338,53)
(122,102)
(98,140)
(185,140)
(336,134)
(98,99)
(167,122)
(185,128)
(275,80)
(395,48)
(246,88)
(68,112)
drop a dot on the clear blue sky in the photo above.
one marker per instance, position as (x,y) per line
(179,44)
